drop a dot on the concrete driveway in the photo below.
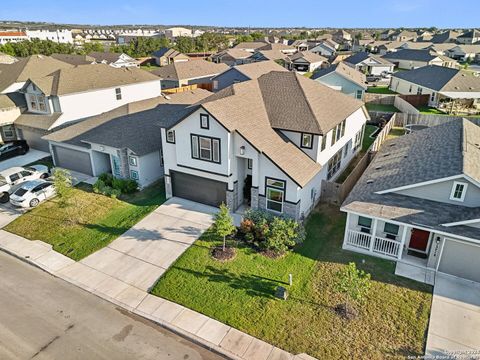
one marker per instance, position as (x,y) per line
(141,255)
(455,318)
(8,213)
(29,157)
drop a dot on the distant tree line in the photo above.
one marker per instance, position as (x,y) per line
(46,47)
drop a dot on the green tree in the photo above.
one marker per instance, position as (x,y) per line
(223,224)
(283,234)
(63,185)
(353,283)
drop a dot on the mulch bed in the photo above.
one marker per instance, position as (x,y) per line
(220,255)
(346,311)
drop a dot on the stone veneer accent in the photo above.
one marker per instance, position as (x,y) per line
(290,210)
(254,198)
(168,186)
(124,167)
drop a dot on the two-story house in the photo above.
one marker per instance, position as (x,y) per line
(77,93)
(266,143)
(418,203)
(369,64)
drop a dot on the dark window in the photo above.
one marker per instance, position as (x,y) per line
(118,93)
(204,121)
(205,148)
(250,164)
(364,222)
(324,142)
(275,194)
(307,141)
(334,164)
(171,136)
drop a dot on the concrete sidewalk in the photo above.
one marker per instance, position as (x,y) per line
(121,274)
(455,318)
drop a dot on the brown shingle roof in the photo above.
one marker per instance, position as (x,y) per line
(257,69)
(89,77)
(189,70)
(308,56)
(32,66)
(250,45)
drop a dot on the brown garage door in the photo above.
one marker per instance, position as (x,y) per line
(198,189)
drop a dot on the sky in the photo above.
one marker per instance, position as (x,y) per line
(254,13)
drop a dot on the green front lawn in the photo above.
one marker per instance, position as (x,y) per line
(381,107)
(430,110)
(240,293)
(380,90)
(90,221)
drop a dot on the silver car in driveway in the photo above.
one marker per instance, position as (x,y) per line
(32,193)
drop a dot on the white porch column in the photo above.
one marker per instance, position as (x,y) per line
(347,228)
(402,241)
(374,233)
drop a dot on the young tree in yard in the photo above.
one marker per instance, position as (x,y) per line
(354,283)
(63,185)
(224,224)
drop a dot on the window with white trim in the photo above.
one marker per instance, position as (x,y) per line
(459,191)
(275,194)
(334,164)
(391,231)
(359,94)
(365,224)
(37,102)
(133,174)
(324,142)
(132,160)
(358,139)
(204,121)
(338,132)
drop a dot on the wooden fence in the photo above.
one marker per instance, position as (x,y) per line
(416,100)
(384,99)
(404,106)
(205,86)
(383,134)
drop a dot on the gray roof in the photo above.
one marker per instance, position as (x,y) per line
(411,54)
(108,57)
(440,78)
(134,126)
(12,100)
(431,154)
(447,36)
(256,69)
(74,59)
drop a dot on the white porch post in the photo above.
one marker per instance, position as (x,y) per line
(374,233)
(402,241)
(347,228)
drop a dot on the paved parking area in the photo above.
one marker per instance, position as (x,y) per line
(31,156)
(455,318)
(141,255)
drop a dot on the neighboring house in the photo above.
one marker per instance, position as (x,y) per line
(11,106)
(385,35)
(464,52)
(403,35)
(341,36)
(361,45)
(389,47)
(63,36)
(12,36)
(77,93)
(7,59)
(300,45)
(231,57)
(324,49)
(124,142)
(416,45)
(470,37)
(13,76)
(272,55)
(116,60)
(167,56)
(306,61)
(412,59)
(369,63)
(449,36)
(444,85)
(286,49)
(442,49)
(185,73)
(245,150)
(175,32)
(74,59)
(250,46)
(418,202)
(374,47)
(244,72)
(344,78)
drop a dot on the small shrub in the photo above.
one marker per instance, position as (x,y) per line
(114,187)
(107,178)
(126,186)
(282,235)
(223,224)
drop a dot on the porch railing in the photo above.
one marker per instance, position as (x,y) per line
(386,247)
(359,239)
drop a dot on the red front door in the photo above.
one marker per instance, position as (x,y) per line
(419,240)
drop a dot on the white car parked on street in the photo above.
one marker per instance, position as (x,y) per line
(11,179)
(32,193)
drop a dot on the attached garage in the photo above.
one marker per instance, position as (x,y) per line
(198,189)
(72,159)
(460,259)
(33,138)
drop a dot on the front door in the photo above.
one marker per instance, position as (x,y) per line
(419,240)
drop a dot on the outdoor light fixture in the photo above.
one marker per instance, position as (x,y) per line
(242,150)
(437,240)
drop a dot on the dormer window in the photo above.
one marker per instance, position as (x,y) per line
(307,141)
(37,102)
(459,191)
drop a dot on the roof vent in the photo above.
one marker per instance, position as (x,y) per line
(406,156)
(378,168)
(392,144)
(370,181)
(387,154)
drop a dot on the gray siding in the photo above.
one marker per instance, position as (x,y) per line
(333,79)
(228,78)
(441,192)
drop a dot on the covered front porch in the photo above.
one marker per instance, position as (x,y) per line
(390,240)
